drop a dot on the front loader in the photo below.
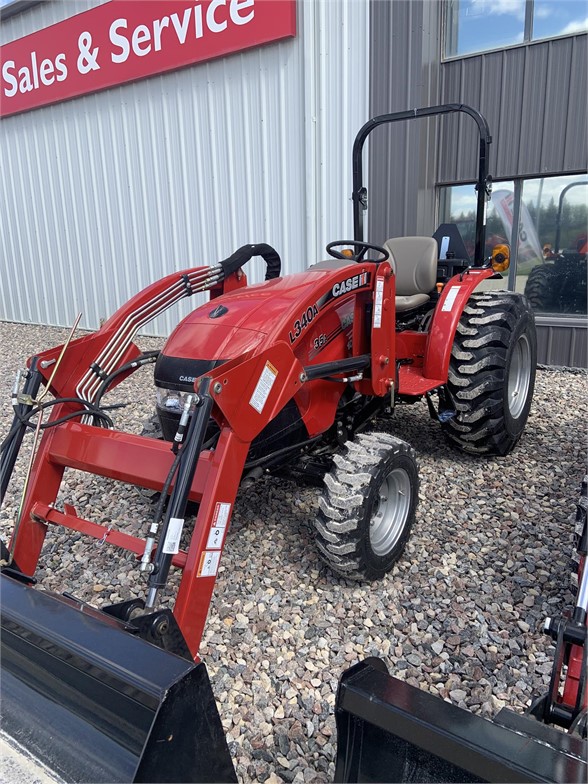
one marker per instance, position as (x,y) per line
(288,373)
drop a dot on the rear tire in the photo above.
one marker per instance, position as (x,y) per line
(368,506)
(492,373)
(539,287)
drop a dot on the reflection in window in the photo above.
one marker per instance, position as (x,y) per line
(563,17)
(475,25)
(460,208)
(551,241)
(480,25)
(555,281)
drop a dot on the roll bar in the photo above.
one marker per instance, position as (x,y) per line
(562,196)
(484,182)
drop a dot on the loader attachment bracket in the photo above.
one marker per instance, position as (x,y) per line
(159,628)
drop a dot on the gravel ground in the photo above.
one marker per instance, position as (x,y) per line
(459,616)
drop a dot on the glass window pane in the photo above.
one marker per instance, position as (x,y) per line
(459,207)
(559,17)
(553,259)
(478,25)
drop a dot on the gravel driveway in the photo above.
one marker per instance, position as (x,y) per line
(459,616)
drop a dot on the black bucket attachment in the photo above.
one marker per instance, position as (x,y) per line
(390,731)
(96,703)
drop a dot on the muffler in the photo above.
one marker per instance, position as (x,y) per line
(95,702)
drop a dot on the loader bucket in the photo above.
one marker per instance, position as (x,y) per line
(388,730)
(96,703)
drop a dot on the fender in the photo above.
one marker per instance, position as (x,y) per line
(446,318)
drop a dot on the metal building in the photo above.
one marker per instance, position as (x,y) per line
(530,82)
(110,189)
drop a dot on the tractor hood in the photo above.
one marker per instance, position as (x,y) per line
(196,348)
(226,327)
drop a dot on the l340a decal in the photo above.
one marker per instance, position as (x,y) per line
(354,282)
(301,323)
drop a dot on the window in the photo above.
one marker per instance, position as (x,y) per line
(553,274)
(459,207)
(549,251)
(480,25)
(563,17)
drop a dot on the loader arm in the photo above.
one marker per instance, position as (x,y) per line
(112,345)
(245,395)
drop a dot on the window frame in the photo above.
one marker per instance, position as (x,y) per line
(527,35)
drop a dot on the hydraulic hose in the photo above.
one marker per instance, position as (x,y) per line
(23,420)
(246,252)
(171,532)
(144,359)
(12,443)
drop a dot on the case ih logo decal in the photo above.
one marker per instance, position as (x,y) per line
(124,40)
(356,282)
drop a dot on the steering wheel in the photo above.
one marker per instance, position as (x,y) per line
(359,254)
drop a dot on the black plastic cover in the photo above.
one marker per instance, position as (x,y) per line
(179,373)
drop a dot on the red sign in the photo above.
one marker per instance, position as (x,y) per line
(124,40)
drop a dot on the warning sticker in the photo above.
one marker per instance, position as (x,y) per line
(378,303)
(263,387)
(450,299)
(221,514)
(171,543)
(209,562)
(218,527)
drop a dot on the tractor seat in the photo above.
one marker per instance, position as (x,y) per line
(414,261)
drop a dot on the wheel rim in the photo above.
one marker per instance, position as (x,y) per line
(519,376)
(391,512)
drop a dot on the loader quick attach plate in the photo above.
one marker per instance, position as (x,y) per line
(96,703)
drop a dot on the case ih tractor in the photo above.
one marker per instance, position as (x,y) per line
(288,372)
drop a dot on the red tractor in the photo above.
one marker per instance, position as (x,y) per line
(284,373)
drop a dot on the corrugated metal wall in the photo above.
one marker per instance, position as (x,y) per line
(404,64)
(107,192)
(562,342)
(534,98)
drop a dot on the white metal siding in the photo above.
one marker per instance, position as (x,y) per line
(107,192)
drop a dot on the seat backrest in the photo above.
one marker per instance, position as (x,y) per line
(414,261)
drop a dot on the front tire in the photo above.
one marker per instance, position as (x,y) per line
(492,373)
(368,506)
